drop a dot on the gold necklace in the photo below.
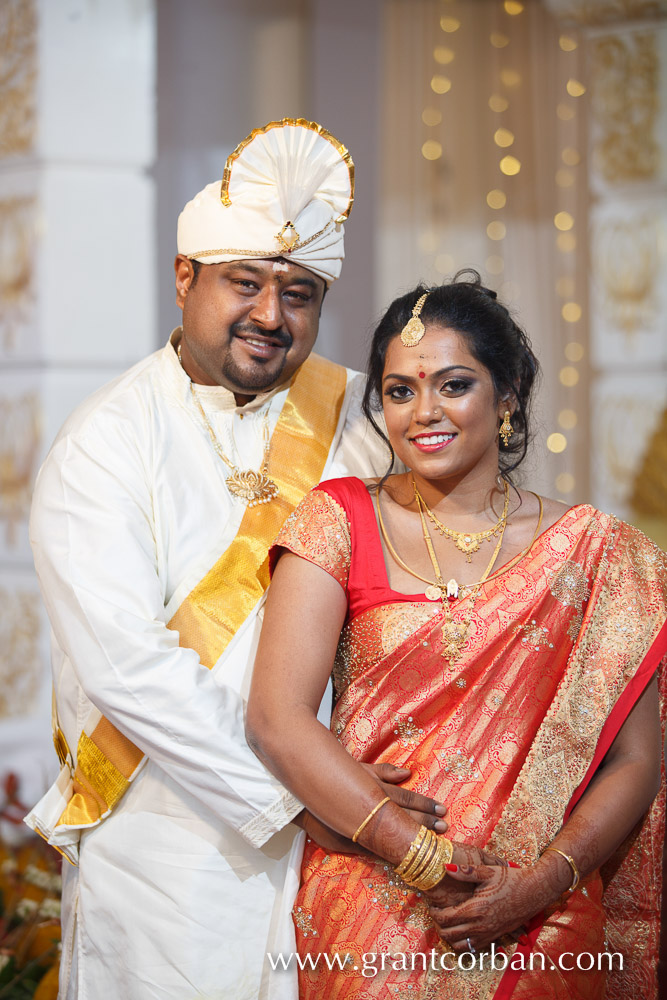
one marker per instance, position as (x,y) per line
(453,586)
(465,541)
(245,484)
(454,633)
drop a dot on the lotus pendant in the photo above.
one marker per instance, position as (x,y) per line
(253,487)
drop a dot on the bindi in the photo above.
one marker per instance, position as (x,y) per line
(422,374)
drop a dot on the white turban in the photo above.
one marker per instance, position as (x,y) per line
(285,192)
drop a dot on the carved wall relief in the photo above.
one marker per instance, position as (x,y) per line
(17,254)
(20,663)
(626,262)
(18,76)
(19,446)
(624,105)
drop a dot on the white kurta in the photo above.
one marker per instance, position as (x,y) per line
(179,893)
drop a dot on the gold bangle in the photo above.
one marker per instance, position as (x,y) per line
(370,817)
(421,864)
(435,871)
(411,852)
(416,864)
(448,848)
(576,877)
(428,864)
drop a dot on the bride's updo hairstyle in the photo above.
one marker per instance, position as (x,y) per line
(492,337)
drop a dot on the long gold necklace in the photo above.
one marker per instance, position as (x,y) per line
(465,541)
(454,634)
(245,484)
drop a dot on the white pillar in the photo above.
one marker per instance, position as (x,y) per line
(77,285)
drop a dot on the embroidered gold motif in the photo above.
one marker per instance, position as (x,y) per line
(373,634)
(407,731)
(458,766)
(401,621)
(391,894)
(535,636)
(569,585)
(304,921)
(358,642)
(419,918)
(575,625)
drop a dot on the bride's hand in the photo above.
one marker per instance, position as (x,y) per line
(504,900)
(467,854)
(451,891)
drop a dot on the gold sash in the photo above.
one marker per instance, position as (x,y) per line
(213,612)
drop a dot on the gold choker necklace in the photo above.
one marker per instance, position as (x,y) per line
(465,541)
(247,485)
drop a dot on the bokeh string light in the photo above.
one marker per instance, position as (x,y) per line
(507,79)
(443,55)
(559,442)
(507,90)
(440,84)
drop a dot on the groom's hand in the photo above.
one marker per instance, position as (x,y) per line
(424,810)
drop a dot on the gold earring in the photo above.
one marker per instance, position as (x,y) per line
(413,331)
(506,429)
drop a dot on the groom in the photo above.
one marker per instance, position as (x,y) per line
(151,524)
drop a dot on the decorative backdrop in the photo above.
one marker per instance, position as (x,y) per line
(527,139)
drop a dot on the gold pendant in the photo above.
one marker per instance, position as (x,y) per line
(432,592)
(467,544)
(253,487)
(454,635)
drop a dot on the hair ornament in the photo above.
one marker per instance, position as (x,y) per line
(413,331)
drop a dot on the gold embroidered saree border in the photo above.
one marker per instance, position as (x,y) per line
(610,657)
(217,607)
(605,658)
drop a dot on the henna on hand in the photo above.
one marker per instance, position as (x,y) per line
(450,891)
(503,900)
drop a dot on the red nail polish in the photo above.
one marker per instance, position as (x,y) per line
(523,939)
(452,868)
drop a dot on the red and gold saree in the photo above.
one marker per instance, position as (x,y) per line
(560,647)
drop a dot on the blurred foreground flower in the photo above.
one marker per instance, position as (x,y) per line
(30,886)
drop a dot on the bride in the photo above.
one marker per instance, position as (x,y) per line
(503,647)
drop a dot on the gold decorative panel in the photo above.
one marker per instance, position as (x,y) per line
(626,262)
(18,76)
(649,495)
(20,662)
(627,410)
(624,79)
(17,254)
(605,11)
(19,444)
